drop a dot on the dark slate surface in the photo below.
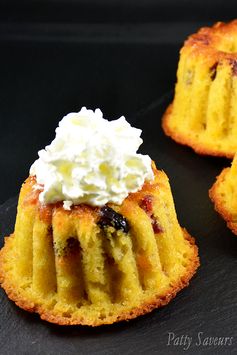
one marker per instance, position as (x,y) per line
(204,310)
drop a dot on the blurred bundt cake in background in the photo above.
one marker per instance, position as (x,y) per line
(203,114)
(224,195)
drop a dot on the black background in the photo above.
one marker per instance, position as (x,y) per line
(56,56)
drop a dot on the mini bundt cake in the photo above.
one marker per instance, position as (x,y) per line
(203,114)
(81,252)
(224,195)
(97,265)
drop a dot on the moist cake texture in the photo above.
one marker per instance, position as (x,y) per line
(203,114)
(97,265)
(223,193)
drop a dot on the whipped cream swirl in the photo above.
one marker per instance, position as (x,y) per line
(91,160)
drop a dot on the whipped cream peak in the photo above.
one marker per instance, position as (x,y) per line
(91,160)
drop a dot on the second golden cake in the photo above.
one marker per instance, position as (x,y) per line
(203,114)
(224,195)
(96,238)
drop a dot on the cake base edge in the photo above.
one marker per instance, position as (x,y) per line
(189,141)
(144,308)
(218,203)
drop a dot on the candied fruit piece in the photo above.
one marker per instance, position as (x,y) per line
(213,71)
(72,246)
(155,225)
(111,218)
(147,205)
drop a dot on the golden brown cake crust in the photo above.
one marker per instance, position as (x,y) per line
(204,46)
(206,40)
(218,201)
(146,280)
(155,302)
(183,139)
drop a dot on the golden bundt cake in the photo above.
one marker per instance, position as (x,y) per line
(203,114)
(97,265)
(224,195)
